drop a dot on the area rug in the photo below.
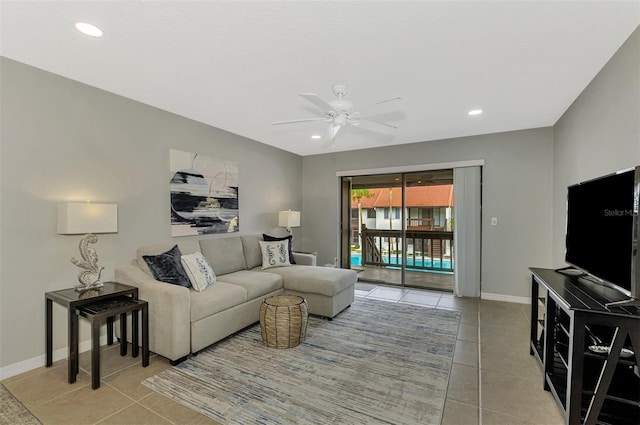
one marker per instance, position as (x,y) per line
(12,412)
(375,363)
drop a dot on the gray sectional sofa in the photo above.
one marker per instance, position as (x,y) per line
(184,321)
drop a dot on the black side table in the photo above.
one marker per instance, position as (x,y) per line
(107,309)
(72,299)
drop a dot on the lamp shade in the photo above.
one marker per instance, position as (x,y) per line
(75,218)
(289,219)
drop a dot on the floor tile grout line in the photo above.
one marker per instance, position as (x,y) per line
(133,403)
(156,413)
(138,402)
(446,393)
(63,394)
(479,370)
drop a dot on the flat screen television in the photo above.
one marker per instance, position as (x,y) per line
(602,230)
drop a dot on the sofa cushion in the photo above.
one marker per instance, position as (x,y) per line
(198,270)
(215,299)
(167,267)
(256,283)
(252,252)
(225,255)
(283,238)
(186,246)
(275,254)
(316,280)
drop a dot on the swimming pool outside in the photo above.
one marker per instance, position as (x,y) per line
(356,260)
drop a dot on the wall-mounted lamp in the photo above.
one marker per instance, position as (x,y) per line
(76,218)
(289,219)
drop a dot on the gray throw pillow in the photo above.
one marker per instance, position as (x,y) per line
(167,267)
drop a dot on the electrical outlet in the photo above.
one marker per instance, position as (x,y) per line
(494,221)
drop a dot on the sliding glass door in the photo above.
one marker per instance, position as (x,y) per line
(401,228)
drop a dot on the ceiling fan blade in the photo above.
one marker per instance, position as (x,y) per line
(366,109)
(300,120)
(385,101)
(330,137)
(373,124)
(333,131)
(329,143)
(316,100)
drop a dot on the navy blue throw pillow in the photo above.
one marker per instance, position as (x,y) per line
(268,238)
(167,267)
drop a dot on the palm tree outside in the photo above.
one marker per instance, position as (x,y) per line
(356,196)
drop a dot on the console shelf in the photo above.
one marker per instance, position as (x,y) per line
(567,315)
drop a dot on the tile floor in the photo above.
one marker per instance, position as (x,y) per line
(415,279)
(494,380)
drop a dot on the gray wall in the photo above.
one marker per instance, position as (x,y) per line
(599,133)
(62,140)
(517,187)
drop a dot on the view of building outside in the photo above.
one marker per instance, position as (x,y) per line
(428,210)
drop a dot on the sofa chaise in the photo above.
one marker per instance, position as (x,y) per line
(183,321)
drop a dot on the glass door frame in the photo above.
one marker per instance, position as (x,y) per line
(401,180)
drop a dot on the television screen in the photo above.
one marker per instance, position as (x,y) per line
(600,222)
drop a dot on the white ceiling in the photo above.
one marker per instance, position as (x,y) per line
(239,66)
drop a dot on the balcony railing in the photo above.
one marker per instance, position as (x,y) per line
(424,250)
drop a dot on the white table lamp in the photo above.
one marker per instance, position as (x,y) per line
(76,218)
(289,219)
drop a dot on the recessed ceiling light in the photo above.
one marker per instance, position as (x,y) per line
(475,112)
(316,136)
(88,29)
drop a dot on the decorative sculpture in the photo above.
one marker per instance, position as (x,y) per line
(89,278)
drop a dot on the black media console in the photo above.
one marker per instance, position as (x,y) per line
(589,353)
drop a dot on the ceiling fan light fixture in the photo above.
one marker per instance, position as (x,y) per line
(475,112)
(342,105)
(340,120)
(88,29)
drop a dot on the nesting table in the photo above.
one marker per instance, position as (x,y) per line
(98,306)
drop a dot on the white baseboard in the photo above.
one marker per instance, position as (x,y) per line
(39,361)
(505,298)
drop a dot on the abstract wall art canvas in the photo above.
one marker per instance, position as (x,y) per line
(204,194)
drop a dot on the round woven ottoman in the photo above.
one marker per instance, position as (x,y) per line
(283,321)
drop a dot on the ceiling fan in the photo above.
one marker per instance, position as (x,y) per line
(341,112)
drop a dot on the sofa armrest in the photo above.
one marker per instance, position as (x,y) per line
(169,312)
(305,258)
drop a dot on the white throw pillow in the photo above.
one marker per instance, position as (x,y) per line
(274,254)
(199,271)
